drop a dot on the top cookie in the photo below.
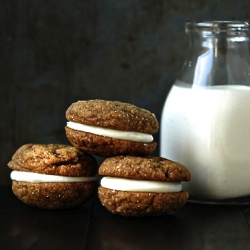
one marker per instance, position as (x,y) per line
(144,168)
(113,115)
(54,159)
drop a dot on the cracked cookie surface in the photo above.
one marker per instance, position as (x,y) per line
(54,159)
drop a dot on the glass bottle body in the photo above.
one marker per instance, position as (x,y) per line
(205,121)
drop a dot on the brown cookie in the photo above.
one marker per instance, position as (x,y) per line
(144,168)
(75,169)
(114,115)
(132,202)
(54,195)
(106,146)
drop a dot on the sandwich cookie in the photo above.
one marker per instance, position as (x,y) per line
(53,176)
(142,186)
(110,128)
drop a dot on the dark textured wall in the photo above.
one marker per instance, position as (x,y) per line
(53,53)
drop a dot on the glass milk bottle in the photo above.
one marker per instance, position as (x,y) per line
(205,121)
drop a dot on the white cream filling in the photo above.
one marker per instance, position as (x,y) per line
(117,134)
(35,177)
(124,184)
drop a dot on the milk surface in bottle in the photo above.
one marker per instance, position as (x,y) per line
(205,122)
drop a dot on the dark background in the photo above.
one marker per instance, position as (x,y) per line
(53,53)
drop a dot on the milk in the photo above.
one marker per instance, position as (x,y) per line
(208,131)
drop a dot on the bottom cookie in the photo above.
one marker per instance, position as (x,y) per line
(54,195)
(107,146)
(141,203)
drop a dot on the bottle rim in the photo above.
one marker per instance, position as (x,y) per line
(217,27)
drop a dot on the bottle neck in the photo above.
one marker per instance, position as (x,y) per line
(217,58)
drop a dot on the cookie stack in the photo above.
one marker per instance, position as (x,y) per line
(133,182)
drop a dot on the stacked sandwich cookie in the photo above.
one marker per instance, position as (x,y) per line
(109,128)
(134,184)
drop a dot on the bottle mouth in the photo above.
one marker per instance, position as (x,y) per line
(218,27)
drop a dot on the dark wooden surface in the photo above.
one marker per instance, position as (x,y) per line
(92,227)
